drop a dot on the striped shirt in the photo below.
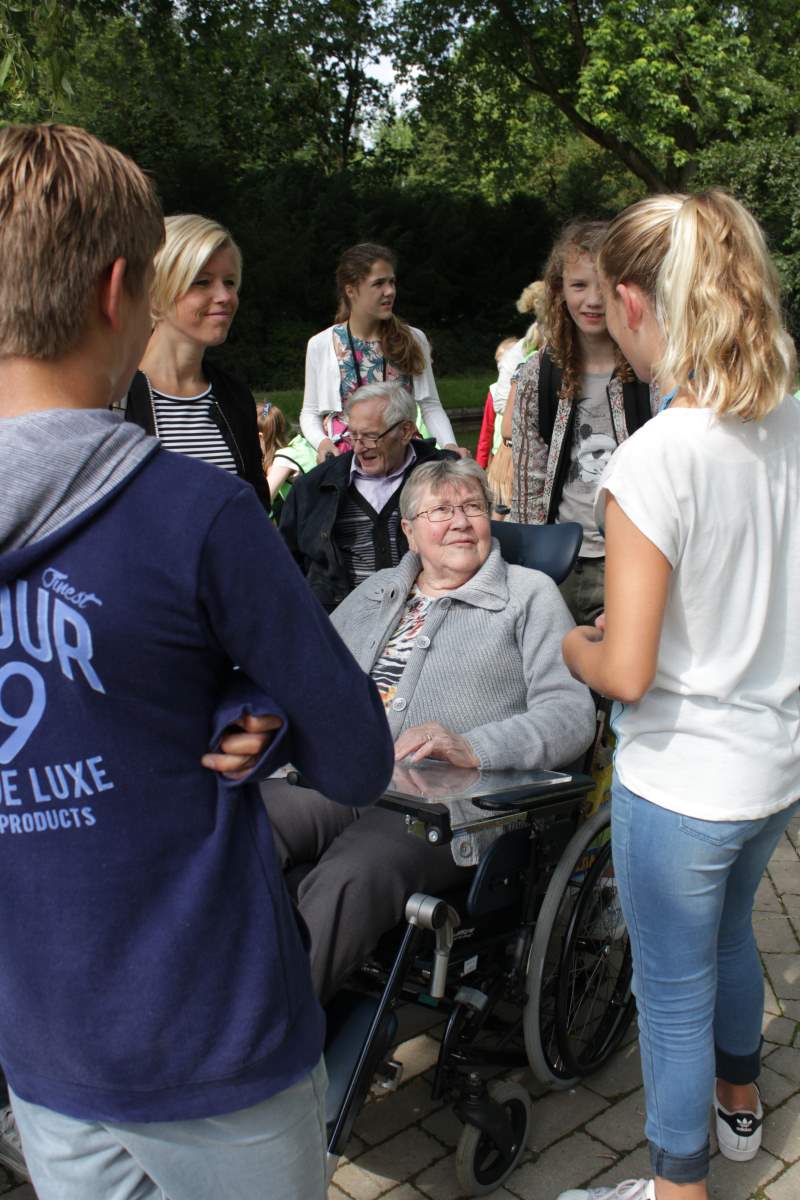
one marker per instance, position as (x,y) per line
(185,425)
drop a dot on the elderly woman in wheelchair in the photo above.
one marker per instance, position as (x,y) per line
(466,653)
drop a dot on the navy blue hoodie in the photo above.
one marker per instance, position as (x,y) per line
(151,967)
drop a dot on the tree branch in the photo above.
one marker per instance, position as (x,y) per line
(577,32)
(625,151)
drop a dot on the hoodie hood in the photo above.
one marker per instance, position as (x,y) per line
(57,464)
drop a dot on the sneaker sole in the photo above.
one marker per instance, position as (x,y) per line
(738,1155)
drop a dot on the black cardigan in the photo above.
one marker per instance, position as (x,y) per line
(234,414)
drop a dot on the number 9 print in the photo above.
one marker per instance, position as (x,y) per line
(22,726)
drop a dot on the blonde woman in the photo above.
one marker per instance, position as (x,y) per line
(700,644)
(191,405)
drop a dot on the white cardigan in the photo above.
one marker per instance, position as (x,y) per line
(322,393)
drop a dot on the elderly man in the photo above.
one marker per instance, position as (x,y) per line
(342,520)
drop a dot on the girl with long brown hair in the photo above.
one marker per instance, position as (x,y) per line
(367,344)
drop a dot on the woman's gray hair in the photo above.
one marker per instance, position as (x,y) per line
(436,476)
(399,405)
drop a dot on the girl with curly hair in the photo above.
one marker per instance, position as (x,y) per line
(571,405)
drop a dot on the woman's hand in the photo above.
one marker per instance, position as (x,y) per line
(432,740)
(461,451)
(325,448)
(241,746)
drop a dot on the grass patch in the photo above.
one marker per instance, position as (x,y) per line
(456,391)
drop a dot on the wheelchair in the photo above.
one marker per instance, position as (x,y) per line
(528,963)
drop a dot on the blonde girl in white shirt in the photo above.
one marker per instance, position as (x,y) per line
(700,646)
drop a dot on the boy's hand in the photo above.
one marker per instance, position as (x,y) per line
(242,746)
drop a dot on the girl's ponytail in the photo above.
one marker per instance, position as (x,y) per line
(704,263)
(719,295)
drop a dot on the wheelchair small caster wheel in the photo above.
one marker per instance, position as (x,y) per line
(481,1166)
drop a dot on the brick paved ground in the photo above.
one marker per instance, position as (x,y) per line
(404,1146)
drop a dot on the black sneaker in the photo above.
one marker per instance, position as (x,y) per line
(739,1133)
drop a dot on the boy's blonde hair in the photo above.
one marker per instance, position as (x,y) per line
(189,244)
(704,263)
(69,207)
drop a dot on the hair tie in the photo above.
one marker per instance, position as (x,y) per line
(265,407)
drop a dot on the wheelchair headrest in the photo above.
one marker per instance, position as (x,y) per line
(552,549)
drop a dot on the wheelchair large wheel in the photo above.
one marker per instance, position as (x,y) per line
(579,973)
(481,1166)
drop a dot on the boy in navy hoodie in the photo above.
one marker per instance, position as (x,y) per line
(157,1023)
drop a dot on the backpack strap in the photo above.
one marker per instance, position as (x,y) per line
(636,401)
(549,389)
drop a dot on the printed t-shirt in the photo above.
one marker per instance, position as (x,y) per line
(593,443)
(717,736)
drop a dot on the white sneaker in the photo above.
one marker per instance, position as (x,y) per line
(631,1189)
(11,1155)
(739,1133)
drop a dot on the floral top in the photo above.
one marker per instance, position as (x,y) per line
(389,667)
(371,363)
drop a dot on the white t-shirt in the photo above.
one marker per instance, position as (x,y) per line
(717,736)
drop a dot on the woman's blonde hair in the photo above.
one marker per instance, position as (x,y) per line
(704,263)
(556,325)
(531,299)
(190,241)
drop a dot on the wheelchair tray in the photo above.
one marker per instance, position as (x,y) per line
(458,799)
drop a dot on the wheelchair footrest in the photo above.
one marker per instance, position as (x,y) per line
(349,1017)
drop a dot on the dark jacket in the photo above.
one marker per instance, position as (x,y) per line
(309,518)
(235,416)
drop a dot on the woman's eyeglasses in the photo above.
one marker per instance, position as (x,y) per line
(446,512)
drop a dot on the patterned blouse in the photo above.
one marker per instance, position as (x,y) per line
(371,364)
(391,664)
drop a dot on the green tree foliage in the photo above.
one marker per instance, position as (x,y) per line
(266,114)
(652,82)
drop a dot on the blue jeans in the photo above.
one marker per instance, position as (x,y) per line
(275,1150)
(687,889)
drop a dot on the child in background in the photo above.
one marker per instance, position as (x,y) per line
(571,405)
(501,470)
(283,459)
(486,437)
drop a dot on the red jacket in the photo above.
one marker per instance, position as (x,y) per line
(486,435)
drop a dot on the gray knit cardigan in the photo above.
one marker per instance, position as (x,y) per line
(487,663)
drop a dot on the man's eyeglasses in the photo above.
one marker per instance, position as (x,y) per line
(370,440)
(446,512)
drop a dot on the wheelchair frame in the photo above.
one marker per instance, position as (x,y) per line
(531,966)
